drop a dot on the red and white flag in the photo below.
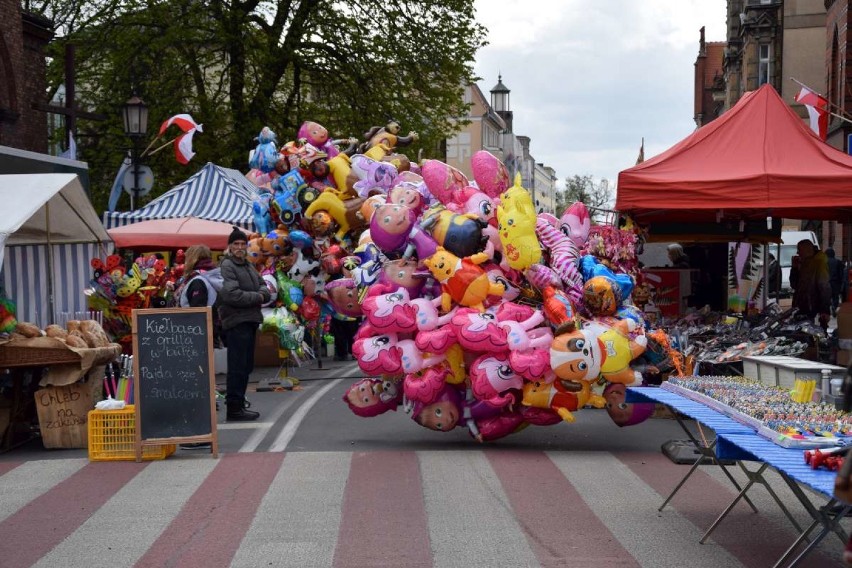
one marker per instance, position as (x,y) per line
(817,110)
(183,121)
(183,147)
(183,143)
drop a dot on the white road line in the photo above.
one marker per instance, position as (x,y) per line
(257,437)
(289,430)
(244,425)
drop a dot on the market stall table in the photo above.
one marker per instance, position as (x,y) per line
(64,366)
(744,444)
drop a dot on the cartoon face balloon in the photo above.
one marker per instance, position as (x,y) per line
(598,351)
(343,296)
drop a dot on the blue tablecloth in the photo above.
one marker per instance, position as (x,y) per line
(695,410)
(739,442)
(789,460)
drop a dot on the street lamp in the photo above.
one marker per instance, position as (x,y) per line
(135,116)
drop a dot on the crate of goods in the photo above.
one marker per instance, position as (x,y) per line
(112,437)
(782,371)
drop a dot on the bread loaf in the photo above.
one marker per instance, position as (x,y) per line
(74,341)
(73,325)
(57,331)
(28,329)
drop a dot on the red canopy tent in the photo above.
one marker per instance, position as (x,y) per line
(757,160)
(180,232)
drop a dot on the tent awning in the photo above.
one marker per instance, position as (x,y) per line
(757,160)
(213,193)
(172,233)
(47,208)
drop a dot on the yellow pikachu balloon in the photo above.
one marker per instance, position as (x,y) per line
(516,227)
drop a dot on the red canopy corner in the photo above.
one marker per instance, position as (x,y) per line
(757,160)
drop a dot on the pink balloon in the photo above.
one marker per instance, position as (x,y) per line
(442,180)
(392,313)
(490,173)
(491,377)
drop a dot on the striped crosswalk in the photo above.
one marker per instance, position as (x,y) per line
(488,507)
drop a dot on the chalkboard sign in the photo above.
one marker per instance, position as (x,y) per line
(173,374)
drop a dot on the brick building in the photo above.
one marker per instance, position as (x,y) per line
(709,81)
(23,38)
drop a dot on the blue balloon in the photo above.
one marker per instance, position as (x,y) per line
(301,239)
(591,267)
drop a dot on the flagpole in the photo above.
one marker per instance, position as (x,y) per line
(164,145)
(834,114)
(149,145)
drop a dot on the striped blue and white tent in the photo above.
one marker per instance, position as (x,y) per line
(48,235)
(214,193)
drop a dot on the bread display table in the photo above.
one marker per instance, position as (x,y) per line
(62,423)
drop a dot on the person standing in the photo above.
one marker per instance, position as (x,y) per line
(773,276)
(836,275)
(243,293)
(678,258)
(201,285)
(809,279)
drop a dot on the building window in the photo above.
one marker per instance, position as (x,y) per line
(764,64)
(490,137)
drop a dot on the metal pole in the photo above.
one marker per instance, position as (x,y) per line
(135,159)
(50,301)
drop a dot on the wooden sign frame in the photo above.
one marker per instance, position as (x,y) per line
(213,437)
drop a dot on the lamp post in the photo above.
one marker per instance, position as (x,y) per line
(135,116)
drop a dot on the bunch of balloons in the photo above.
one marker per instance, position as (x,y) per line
(314,202)
(480,314)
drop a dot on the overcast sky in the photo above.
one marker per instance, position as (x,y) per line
(590,78)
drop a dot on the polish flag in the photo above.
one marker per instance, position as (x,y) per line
(183,121)
(817,110)
(183,147)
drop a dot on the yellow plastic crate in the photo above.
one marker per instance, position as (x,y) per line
(112,437)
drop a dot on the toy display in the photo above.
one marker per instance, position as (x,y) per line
(770,410)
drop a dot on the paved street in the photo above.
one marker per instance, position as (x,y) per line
(313,485)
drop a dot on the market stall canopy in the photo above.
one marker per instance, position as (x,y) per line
(172,233)
(47,215)
(46,209)
(757,160)
(213,193)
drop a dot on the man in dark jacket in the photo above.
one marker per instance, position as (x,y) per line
(243,292)
(836,276)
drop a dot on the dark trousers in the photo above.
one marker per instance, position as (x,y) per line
(344,335)
(240,340)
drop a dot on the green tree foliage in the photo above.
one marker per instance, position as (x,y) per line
(239,65)
(594,195)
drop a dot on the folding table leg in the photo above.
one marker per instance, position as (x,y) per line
(829,524)
(753,477)
(705,451)
(821,516)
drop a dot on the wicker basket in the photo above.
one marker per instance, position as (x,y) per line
(12,355)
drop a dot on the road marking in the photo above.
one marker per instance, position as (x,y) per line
(258,435)
(289,430)
(244,425)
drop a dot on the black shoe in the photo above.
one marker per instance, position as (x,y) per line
(242,415)
(197,446)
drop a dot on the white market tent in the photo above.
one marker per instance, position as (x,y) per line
(214,193)
(48,234)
